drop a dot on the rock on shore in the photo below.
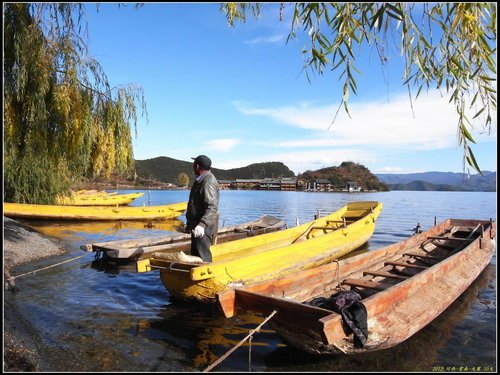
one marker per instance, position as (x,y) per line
(22,244)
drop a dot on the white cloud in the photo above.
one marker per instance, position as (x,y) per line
(377,135)
(372,123)
(224,144)
(269,39)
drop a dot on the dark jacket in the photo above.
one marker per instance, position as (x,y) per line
(203,202)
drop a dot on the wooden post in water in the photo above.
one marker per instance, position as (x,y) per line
(216,230)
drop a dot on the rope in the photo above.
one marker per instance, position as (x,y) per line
(53,265)
(250,354)
(240,343)
(339,286)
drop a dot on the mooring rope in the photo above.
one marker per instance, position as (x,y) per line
(240,343)
(44,268)
(339,285)
(250,354)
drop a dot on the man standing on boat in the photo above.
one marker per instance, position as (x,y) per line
(202,210)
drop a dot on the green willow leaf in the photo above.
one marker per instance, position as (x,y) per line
(479,112)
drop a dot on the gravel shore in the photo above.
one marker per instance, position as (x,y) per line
(21,245)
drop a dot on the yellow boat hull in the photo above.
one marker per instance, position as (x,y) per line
(54,212)
(103,199)
(269,256)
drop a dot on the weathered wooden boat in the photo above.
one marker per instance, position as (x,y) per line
(56,212)
(267,256)
(403,287)
(98,199)
(154,245)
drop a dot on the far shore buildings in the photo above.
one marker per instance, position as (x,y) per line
(285,184)
(279,183)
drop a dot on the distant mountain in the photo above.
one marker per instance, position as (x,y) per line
(166,169)
(424,186)
(346,172)
(440,181)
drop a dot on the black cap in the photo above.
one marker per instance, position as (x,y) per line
(203,161)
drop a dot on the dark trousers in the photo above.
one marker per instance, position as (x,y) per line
(201,246)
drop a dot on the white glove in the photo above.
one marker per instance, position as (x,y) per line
(199,231)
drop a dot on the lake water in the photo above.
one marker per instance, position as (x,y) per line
(95,315)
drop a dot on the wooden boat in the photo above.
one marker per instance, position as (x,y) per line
(98,199)
(267,256)
(403,288)
(55,212)
(146,247)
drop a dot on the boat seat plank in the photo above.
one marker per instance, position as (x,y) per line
(386,274)
(325,228)
(366,284)
(426,256)
(403,264)
(450,238)
(437,244)
(343,222)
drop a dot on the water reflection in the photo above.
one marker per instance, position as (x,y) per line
(202,332)
(78,233)
(64,229)
(114,266)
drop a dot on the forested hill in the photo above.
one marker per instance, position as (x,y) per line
(166,169)
(347,172)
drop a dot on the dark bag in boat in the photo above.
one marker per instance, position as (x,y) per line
(354,316)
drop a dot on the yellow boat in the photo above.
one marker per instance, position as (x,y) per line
(91,192)
(98,199)
(40,211)
(266,256)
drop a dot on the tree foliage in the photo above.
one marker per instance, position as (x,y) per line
(345,172)
(62,120)
(183,179)
(447,46)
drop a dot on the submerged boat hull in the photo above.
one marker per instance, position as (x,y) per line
(268,256)
(404,287)
(53,212)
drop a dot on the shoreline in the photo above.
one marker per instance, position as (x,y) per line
(21,353)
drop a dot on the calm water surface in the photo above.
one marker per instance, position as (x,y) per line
(96,315)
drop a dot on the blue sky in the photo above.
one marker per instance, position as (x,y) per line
(239,95)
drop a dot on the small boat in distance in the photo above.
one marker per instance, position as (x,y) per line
(270,255)
(403,287)
(152,246)
(56,212)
